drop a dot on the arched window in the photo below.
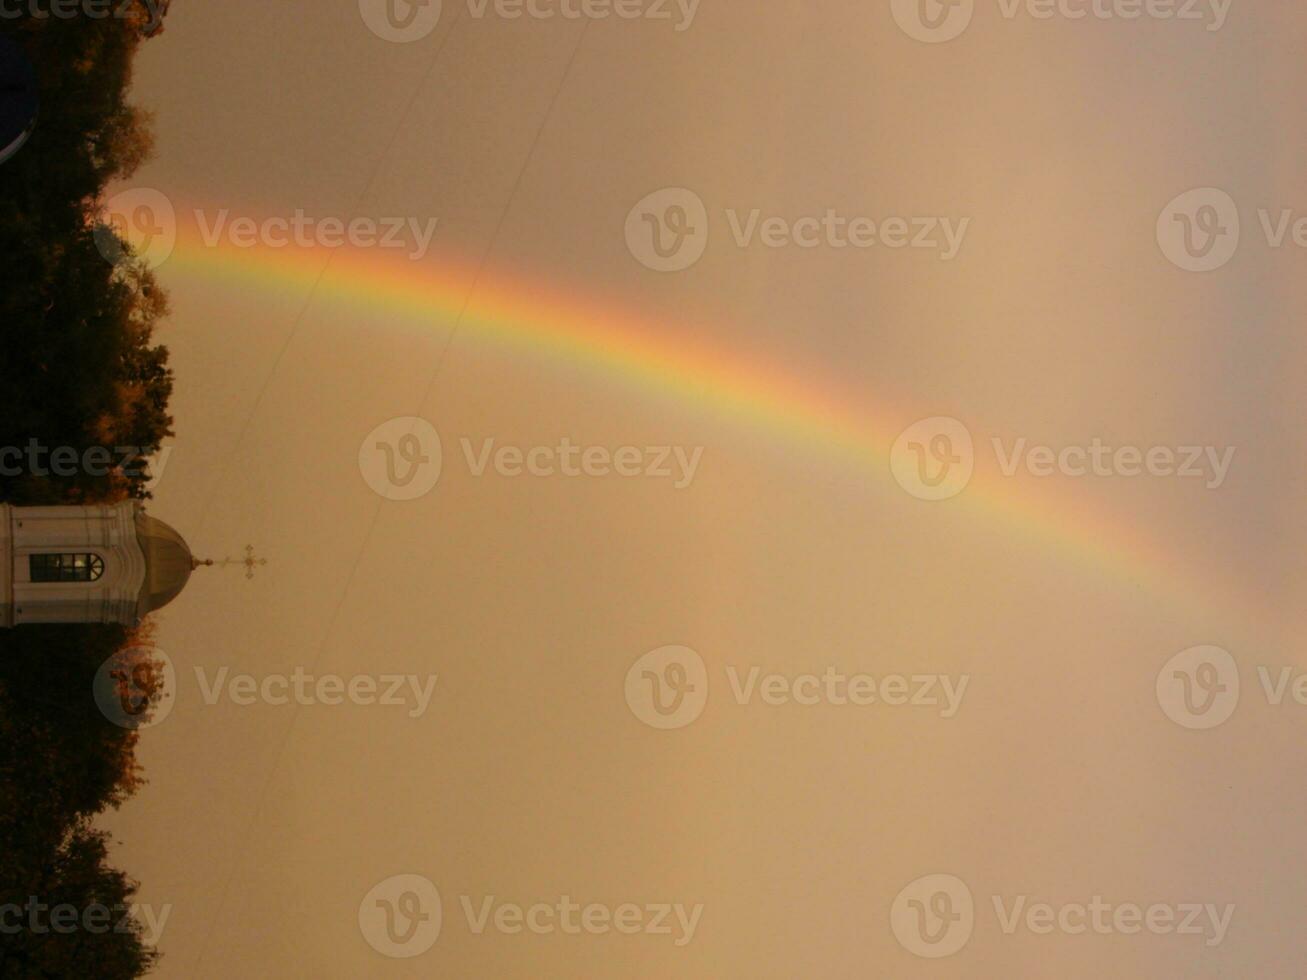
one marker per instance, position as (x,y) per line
(65,568)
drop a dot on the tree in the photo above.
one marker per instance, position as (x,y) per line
(80,369)
(80,921)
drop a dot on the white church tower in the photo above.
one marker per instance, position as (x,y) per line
(99,564)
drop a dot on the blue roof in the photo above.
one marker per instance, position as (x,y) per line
(19,97)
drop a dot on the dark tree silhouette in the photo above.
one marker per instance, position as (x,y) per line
(78,368)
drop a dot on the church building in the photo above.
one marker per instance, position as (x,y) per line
(98,564)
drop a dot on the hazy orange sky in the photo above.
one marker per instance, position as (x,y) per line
(1050,147)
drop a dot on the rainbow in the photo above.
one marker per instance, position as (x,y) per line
(531,317)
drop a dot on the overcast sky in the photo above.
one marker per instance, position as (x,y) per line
(1030,160)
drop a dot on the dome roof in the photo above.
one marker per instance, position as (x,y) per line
(18,98)
(168,563)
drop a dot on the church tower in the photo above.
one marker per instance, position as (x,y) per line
(98,564)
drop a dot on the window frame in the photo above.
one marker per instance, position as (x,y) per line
(65,567)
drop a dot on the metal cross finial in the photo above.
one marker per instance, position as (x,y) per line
(249,561)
